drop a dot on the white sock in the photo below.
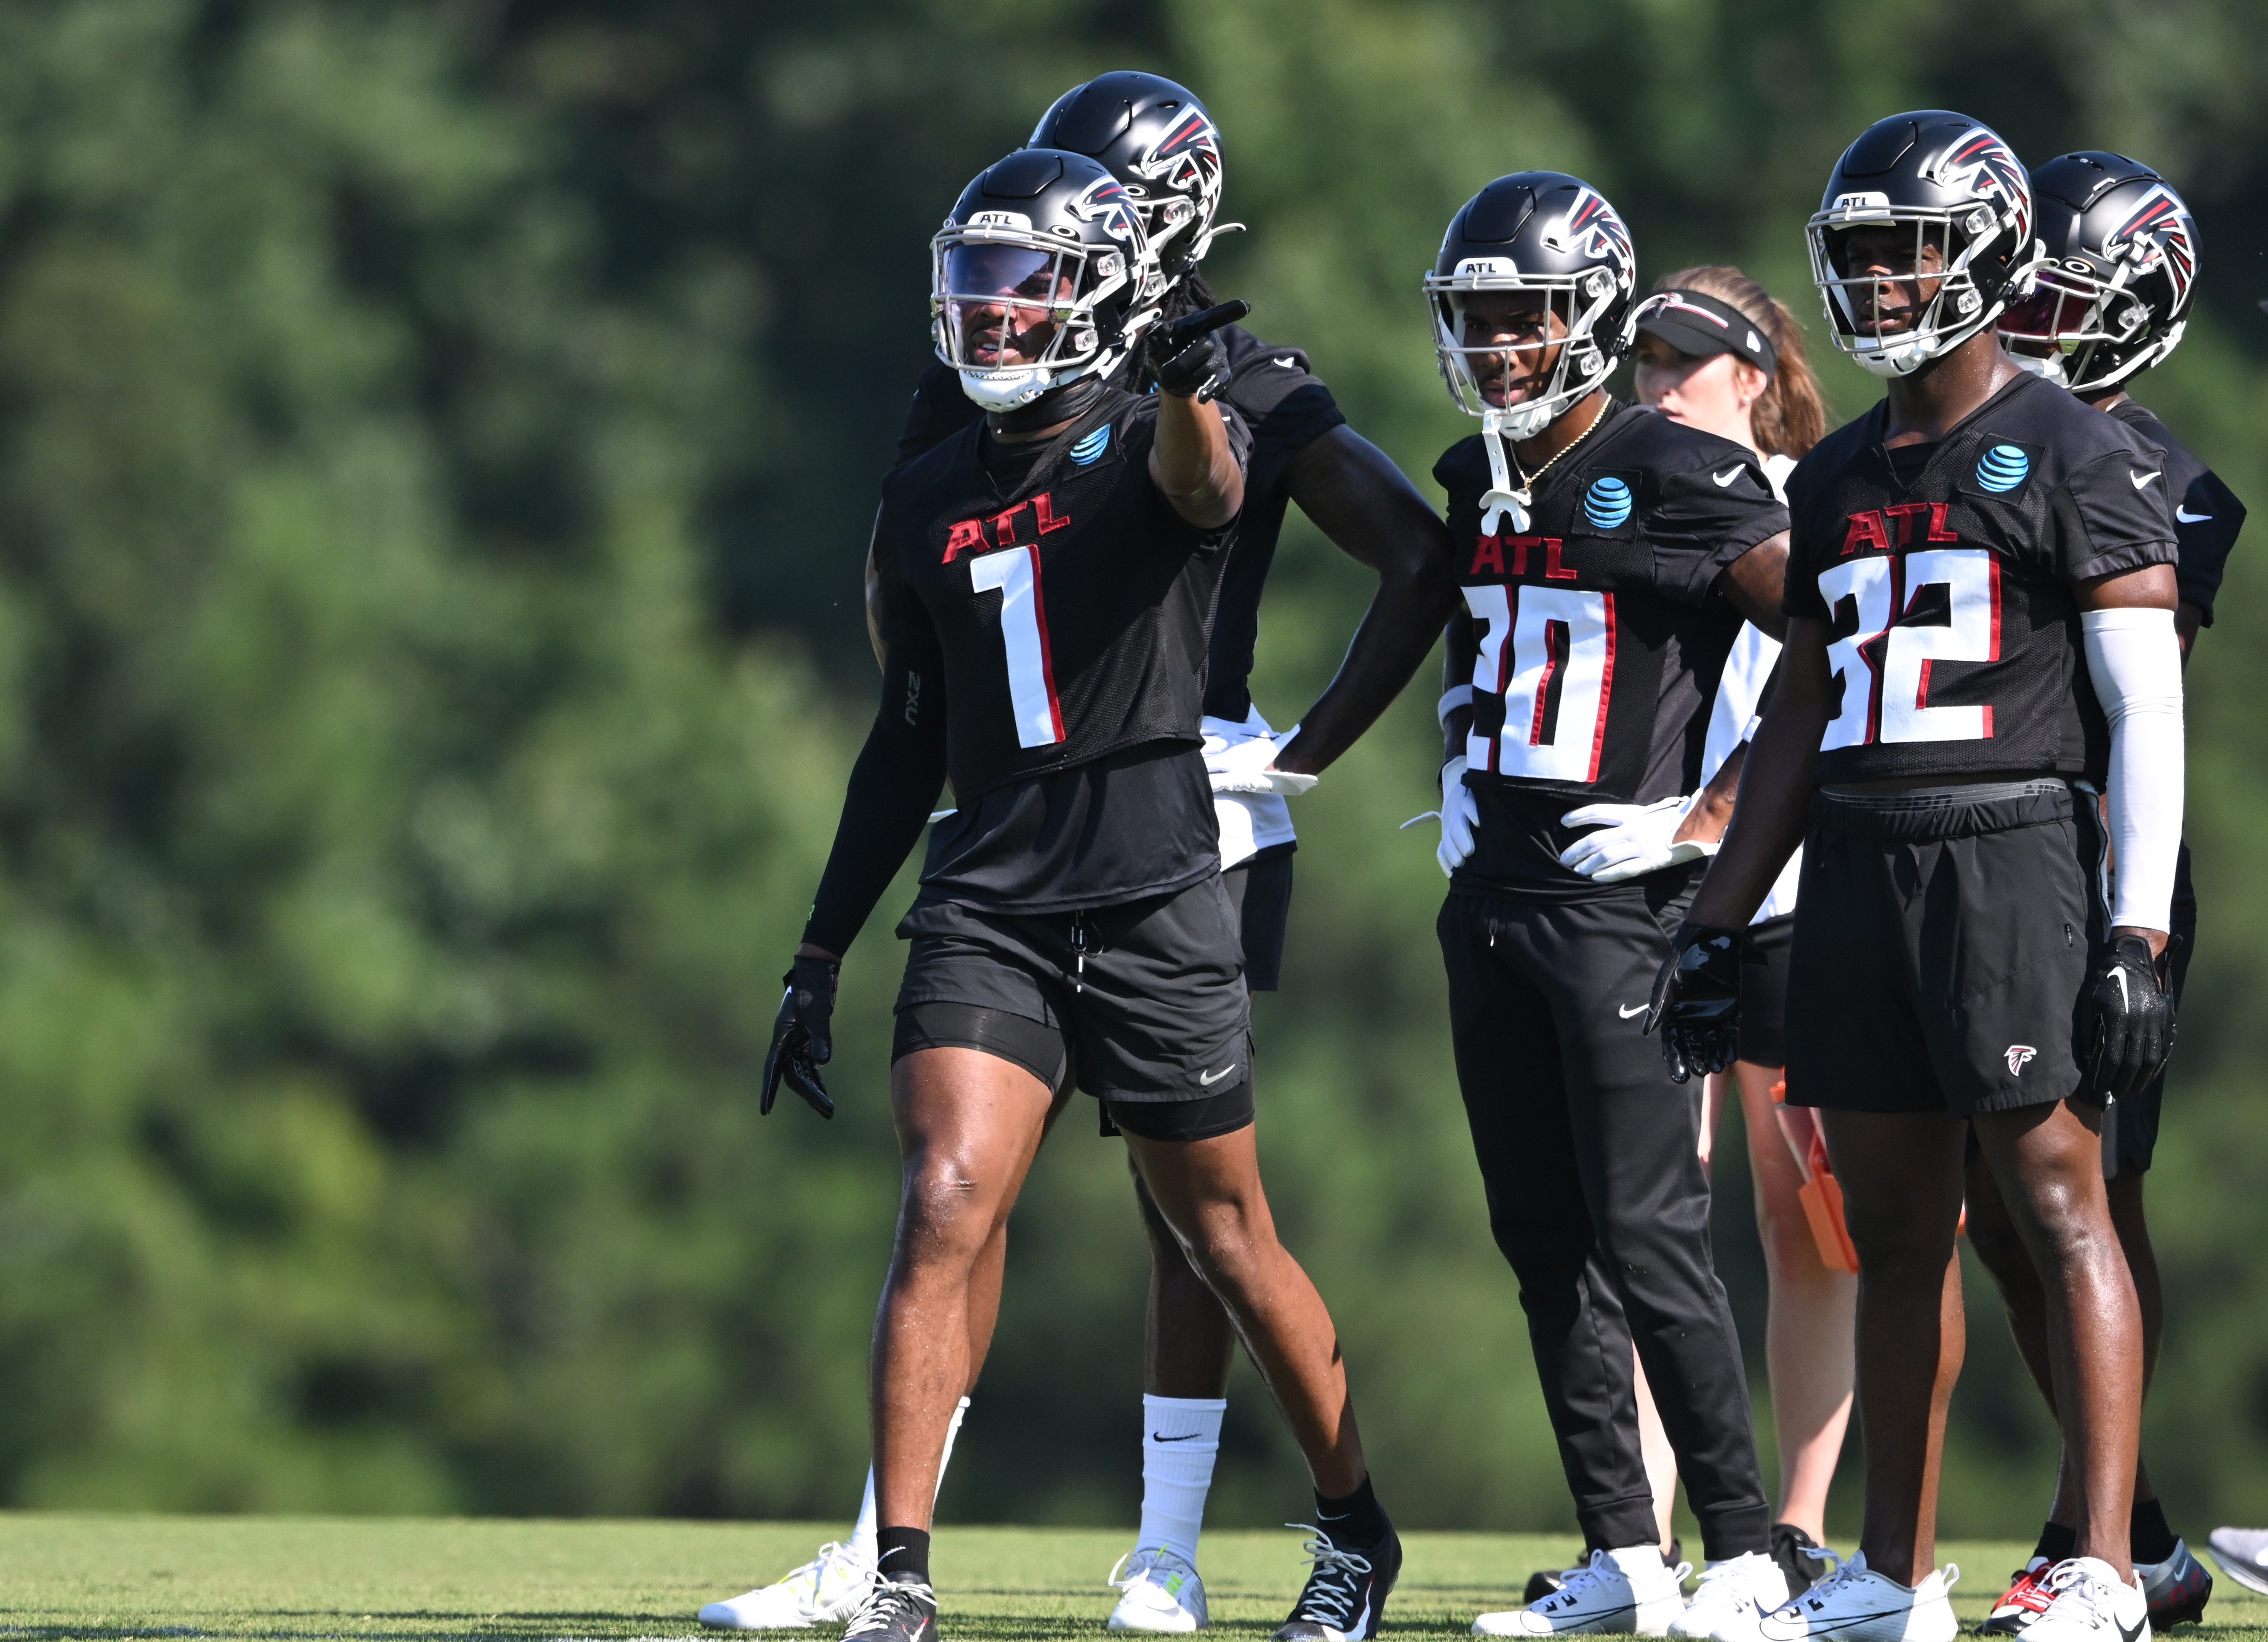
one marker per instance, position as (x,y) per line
(1180,1437)
(862,1532)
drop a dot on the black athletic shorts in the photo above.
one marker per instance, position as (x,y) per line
(1260,888)
(1146,997)
(1763,992)
(1942,938)
(2131,1124)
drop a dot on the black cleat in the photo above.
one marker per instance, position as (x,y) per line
(1797,1553)
(1347,1588)
(897,1611)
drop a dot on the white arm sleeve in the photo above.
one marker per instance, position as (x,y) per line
(2136,664)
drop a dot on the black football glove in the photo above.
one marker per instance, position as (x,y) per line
(1189,357)
(803,1037)
(2134,1012)
(1697,1000)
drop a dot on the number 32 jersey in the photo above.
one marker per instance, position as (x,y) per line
(1602,633)
(1064,603)
(1953,628)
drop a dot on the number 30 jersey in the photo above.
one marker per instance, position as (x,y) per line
(1065,604)
(1953,628)
(1602,633)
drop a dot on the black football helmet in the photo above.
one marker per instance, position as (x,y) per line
(1039,277)
(2114,295)
(1158,140)
(1548,233)
(1957,187)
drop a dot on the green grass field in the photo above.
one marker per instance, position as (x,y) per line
(120,1577)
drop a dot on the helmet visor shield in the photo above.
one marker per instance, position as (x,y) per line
(1005,305)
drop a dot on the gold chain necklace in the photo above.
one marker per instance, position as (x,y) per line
(1528,479)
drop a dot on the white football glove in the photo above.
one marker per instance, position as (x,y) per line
(1632,840)
(1242,766)
(1456,816)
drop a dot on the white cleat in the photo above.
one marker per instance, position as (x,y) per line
(1157,1591)
(2089,1602)
(1855,1604)
(826,1590)
(2243,1554)
(1735,1596)
(1627,1590)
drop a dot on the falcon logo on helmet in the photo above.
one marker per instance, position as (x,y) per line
(1187,159)
(1592,230)
(1105,205)
(2114,294)
(1980,164)
(2156,237)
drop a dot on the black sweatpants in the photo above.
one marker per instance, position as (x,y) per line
(1596,1197)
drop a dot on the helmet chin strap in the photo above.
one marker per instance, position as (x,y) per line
(1064,403)
(2049,367)
(1502,497)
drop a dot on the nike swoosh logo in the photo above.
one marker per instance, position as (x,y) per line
(1289,365)
(1206,1079)
(1635,1009)
(1726,477)
(2187,518)
(2141,479)
(2133,1633)
(1185,1437)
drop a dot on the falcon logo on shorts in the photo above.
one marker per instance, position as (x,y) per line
(2018,1054)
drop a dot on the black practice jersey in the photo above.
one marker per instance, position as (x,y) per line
(2206,513)
(1285,406)
(1067,611)
(1602,632)
(1045,614)
(1955,632)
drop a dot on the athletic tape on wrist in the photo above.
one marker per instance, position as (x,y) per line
(1461,696)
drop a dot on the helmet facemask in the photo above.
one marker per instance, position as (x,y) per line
(1481,372)
(1018,312)
(2085,332)
(1945,274)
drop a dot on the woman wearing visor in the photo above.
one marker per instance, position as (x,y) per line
(1718,352)
(1045,579)
(1606,557)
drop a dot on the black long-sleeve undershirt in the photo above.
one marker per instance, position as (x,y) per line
(893,787)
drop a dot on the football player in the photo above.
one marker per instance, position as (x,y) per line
(1046,579)
(2112,302)
(1158,139)
(1718,352)
(1980,601)
(1607,556)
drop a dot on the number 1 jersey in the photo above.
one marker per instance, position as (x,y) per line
(1949,592)
(1602,633)
(1067,609)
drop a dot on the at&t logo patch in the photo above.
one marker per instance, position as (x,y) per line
(1089,450)
(1607,503)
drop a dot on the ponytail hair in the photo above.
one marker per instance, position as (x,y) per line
(1788,418)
